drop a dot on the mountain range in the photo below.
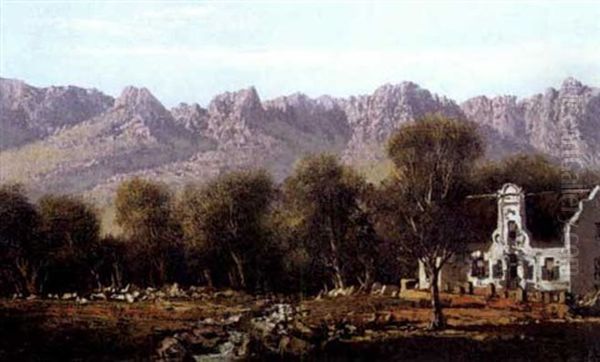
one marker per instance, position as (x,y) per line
(76,140)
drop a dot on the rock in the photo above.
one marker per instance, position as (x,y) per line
(170,348)
(31,297)
(125,290)
(44,111)
(370,318)
(238,130)
(69,296)
(376,288)
(129,298)
(98,296)
(294,346)
(81,301)
(225,294)
(384,317)
(348,291)
(119,297)
(173,291)
(233,319)
(390,290)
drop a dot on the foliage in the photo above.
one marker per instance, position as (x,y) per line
(327,206)
(535,173)
(71,231)
(22,252)
(144,210)
(434,158)
(224,220)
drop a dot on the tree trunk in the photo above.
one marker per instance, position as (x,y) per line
(97,280)
(161,271)
(338,279)
(437,318)
(208,278)
(117,275)
(365,280)
(28,276)
(240,269)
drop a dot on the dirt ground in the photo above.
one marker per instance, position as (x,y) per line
(380,328)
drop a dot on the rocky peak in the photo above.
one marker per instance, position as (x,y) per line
(322,117)
(242,103)
(373,118)
(502,113)
(191,116)
(138,99)
(140,105)
(13,89)
(30,113)
(571,85)
(233,116)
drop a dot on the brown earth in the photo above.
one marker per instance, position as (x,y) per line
(358,327)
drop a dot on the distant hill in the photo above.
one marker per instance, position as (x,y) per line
(70,139)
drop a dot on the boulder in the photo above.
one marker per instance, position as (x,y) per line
(81,301)
(69,296)
(376,288)
(390,290)
(170,348)
(98,296)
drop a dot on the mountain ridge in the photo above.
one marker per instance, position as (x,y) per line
(71,139)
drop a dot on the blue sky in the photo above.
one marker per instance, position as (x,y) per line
(192,50)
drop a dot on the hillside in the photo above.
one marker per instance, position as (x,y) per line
(70,139)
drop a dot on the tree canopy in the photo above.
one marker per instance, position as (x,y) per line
(433,158)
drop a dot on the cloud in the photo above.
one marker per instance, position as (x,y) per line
(144,23)
(480,60)
(178,14)
(100,26)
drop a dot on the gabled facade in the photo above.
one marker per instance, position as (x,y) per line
(582,237)
(512,260)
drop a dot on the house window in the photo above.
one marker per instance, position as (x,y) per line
(512,232)
(550,270)
(498,272)
(597,269)
(479,268)
(528,270)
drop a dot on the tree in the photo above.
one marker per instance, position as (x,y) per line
(225,220)
(433,159)
(535,173)
(71,229)
(144,210)
(22,250)
(109,261)
(327,201)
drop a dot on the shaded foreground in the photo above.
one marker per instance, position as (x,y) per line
(232,325)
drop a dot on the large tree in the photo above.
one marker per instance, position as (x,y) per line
(21,249)
(327,199)
(144,210)
(225,220)
(71,229)
(433,159)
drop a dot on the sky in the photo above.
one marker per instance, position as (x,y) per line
(189,51)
